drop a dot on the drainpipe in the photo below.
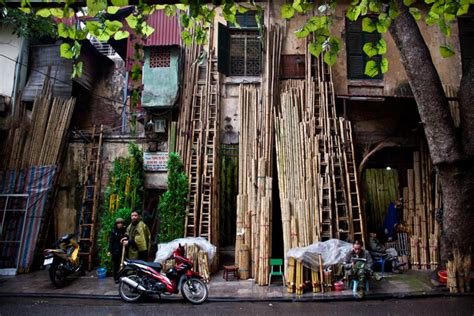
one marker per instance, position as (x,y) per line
(124,108)
(18,67)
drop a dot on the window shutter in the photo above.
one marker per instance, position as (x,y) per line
(223,52)
(466,38)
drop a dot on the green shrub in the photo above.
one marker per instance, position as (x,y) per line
(124,192)
(172,206)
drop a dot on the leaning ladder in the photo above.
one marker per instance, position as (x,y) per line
(90,197)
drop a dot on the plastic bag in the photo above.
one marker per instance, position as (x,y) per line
(332,251)
(165,250)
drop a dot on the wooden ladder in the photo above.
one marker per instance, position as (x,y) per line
(191,223)
(90,197)
(353,195)
(209,178)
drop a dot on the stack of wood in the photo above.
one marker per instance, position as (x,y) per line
(300,277)
(39,141)
(318,183)
(200,261)
(254,201)
(422,197)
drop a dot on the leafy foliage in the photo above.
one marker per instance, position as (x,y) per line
(27,24)
(172,207)
(124,193)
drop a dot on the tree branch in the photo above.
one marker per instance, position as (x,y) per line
(424,81)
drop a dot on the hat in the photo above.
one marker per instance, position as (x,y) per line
(119,220)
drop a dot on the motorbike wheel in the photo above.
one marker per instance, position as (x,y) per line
(57,276)
(128,293)
(194,290)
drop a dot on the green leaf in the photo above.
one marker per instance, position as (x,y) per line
(121,35)
(330,58)
(415,12)
(147,29)
(185,20)
(431,18)
(77,69)
(103,36)
(384,65)
(96,5)
(119,3)
(112,9)
(408,2)
(93,27)
(45,13)
(63,30)
(113,26)
(463,9)
(375,6)
(335,44)
(313,24)
(446,51)
(315,48)
(287,11)
(368,25)
(132,21)
(170,10)
(181,6)
(444,27)
(65,51)
(353,13)
(383,23)
(381,46)
(186,37)
(371,69)
(370,49)
(302,32)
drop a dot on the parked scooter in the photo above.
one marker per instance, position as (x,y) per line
(63,260)
(139,278)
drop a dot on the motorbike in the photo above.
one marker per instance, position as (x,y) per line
(64,260)
(140,278)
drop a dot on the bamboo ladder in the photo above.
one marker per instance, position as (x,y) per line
(90,197)
(195,161)
(209,177)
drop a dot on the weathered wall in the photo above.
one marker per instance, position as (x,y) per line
(160,83)
(68,200)
(102,105)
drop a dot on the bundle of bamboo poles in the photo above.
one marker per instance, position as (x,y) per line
(422,197)
(318,182)
(40,141)
(254,201)
(300,277)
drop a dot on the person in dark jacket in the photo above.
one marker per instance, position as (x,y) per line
(115,247)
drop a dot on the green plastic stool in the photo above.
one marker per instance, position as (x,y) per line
(276,263)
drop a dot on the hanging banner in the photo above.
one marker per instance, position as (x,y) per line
(155,161)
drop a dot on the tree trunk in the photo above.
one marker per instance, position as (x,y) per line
(455,165)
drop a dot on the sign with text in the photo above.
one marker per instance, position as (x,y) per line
(155,161)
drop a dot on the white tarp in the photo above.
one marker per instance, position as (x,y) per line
(165,250)
(332,251)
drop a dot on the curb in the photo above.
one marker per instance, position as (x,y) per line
(339,298)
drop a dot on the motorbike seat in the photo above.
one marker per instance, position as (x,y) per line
(155,265)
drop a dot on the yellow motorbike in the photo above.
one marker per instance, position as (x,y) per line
(64,260)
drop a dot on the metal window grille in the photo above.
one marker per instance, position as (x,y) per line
(160,57)
(245,54)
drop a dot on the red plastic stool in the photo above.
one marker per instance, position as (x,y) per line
(231,272)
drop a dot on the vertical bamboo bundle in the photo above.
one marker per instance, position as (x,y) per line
(204,265)
(414,251)
(299,284)
(291,275)
(244,262)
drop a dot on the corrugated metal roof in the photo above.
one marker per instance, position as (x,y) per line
(167,32)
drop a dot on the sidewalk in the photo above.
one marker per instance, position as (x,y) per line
(409,284)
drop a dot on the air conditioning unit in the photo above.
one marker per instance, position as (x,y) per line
(160,126)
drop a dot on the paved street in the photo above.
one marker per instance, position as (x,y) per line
(425,306)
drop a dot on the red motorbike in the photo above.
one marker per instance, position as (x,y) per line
(140,278)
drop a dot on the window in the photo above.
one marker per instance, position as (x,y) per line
(240,51)
(160,57)
(466,38)
(356,58)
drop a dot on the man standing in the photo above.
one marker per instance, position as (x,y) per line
(115,246)
(138,241)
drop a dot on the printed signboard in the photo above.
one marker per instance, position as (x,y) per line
(155,161)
